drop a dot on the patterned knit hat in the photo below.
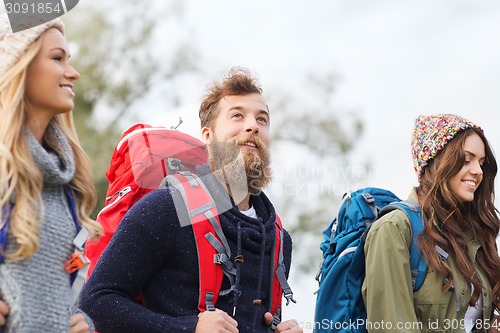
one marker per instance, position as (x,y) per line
(432,133)
(13,45)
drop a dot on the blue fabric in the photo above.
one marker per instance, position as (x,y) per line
(72,206)
(152,254)
(417,261)
(6,213)
(339,302)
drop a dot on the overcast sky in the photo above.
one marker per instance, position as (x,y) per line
(396,60)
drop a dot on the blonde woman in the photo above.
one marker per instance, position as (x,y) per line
(41,161)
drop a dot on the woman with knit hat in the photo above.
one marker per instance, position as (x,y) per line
(456,170)
(42,169)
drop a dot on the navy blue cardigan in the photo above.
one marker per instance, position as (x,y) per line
(152,254)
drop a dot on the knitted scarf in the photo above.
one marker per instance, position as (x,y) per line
(38,289)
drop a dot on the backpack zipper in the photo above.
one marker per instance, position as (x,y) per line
(138,131)
(121,194)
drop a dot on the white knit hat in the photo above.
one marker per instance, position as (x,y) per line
(13,45)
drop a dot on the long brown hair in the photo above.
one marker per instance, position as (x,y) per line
(447,217)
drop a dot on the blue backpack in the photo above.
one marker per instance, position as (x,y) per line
(339,303)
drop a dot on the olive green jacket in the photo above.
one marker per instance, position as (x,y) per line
(387,289)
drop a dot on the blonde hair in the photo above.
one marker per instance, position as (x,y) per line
(19,176)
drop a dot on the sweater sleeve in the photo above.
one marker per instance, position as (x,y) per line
(141,245)
(387,289)
(85,317)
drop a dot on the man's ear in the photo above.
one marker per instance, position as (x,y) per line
(207,135)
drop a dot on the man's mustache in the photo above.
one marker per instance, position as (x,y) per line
(245,138)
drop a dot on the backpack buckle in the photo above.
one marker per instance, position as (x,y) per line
(77,261)
(289,296)
(368,198)
(173,165)
(209,301)
(276,319)
(220,258)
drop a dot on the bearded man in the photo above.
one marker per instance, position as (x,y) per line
(153,251)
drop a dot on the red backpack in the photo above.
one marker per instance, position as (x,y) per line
(150,157)
(139,163)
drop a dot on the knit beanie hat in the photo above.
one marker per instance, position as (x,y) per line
(432,133)
(13,45)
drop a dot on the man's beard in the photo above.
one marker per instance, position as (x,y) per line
(242,171)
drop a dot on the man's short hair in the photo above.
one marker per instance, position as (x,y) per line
(238,82)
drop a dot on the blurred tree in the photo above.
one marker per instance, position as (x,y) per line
(124,50)
(317,137)
(313,120)
(116,46)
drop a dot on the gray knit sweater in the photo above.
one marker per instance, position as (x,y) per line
(38,290)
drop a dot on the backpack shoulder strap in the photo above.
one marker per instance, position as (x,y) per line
(77,266)
(279,284)
(418,265)
(213,249)
(78,263)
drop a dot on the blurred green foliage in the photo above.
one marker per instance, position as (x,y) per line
(113,53)
(116,53)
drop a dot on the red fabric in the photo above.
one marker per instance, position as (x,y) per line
(277,290)
(210,274)
(139,162)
